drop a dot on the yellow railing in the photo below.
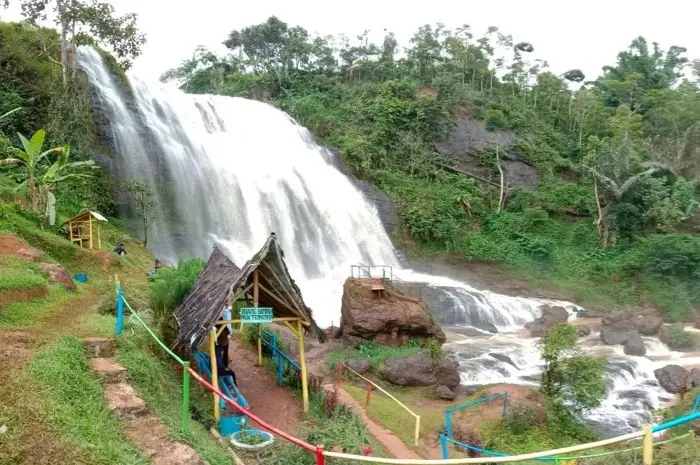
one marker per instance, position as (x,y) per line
(384,391)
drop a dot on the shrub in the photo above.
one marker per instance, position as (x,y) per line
(521,417)
(167,290)
(682,340)
(470,437)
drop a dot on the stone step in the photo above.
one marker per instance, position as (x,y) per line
(153,439)
(123,401)
(99,347)
(109,370)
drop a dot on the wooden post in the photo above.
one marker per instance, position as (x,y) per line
(302,360)
(256,295)
(369,393)
(90,220)
(99,239)
(70,228)
(647,445)
(214,372)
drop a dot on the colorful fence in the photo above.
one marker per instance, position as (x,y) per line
(370,383)
(280,359)
(450,411)
(320,453)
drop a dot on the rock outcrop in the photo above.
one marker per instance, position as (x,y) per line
(390,317)
(619,326)
(584,331)
(551,316)
(635,346)
(421,370)
(58,274)
(360,365)
(675,378)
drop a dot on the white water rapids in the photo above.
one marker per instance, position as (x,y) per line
(229,171)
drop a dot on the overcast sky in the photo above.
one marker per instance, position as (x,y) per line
(585,35)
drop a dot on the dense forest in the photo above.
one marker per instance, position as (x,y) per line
(613,217)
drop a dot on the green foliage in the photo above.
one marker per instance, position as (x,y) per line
(78,413)
(629,136)
(373,351)
(22,314)
(521,417)
(679,339)
(20,274)
(569,377)
(145,204)
(167,290)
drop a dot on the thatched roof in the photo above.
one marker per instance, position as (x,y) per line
(221,279)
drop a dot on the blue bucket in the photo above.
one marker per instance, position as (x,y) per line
(80,277)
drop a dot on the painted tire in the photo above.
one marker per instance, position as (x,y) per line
(270,439)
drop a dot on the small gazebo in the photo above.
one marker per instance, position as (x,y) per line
(265,282)
(82,229)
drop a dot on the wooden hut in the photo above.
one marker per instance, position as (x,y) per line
(264,282)
(83,228)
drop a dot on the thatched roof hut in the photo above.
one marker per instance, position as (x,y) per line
(221,281)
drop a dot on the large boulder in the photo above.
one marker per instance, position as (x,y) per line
(672,378)
(391,317)
(619,326)
(635,346)
(412,370)
(693,379)
(360,365)
(584,331)
(446,393)
(448,373)
(551,316)
(58,274)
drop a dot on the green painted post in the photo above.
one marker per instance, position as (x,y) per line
(185,421)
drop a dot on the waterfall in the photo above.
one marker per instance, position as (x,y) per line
(229,171)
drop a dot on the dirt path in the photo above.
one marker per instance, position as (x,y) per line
(274,404)
(17,346)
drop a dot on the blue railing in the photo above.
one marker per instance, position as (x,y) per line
(281,359)
(450,411)
(226,384)
(447,438)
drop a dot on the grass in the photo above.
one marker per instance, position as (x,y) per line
(155,381)
(73,398)
(374,352)
(20,274)
(23,314)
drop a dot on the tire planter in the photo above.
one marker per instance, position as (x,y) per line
(269,439)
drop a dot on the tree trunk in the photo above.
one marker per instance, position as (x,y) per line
(64,39)
(501,196)
(145,231)
(32,190)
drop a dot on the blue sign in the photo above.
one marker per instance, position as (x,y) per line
(256,315)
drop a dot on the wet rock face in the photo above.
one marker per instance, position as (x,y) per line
(635,346)
(619,326)
(381,201)
(584,331)
(672,378)
(551,316)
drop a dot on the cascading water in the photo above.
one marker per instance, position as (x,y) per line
(229,171)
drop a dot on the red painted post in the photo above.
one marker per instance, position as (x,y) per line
(320,458)
(369,393)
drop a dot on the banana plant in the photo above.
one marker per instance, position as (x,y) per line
(40,178)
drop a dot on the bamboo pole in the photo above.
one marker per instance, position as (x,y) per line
(302,360)
(647,445)
(214,372)
(256,300)
(90,222)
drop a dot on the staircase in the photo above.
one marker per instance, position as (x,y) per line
(140,425)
